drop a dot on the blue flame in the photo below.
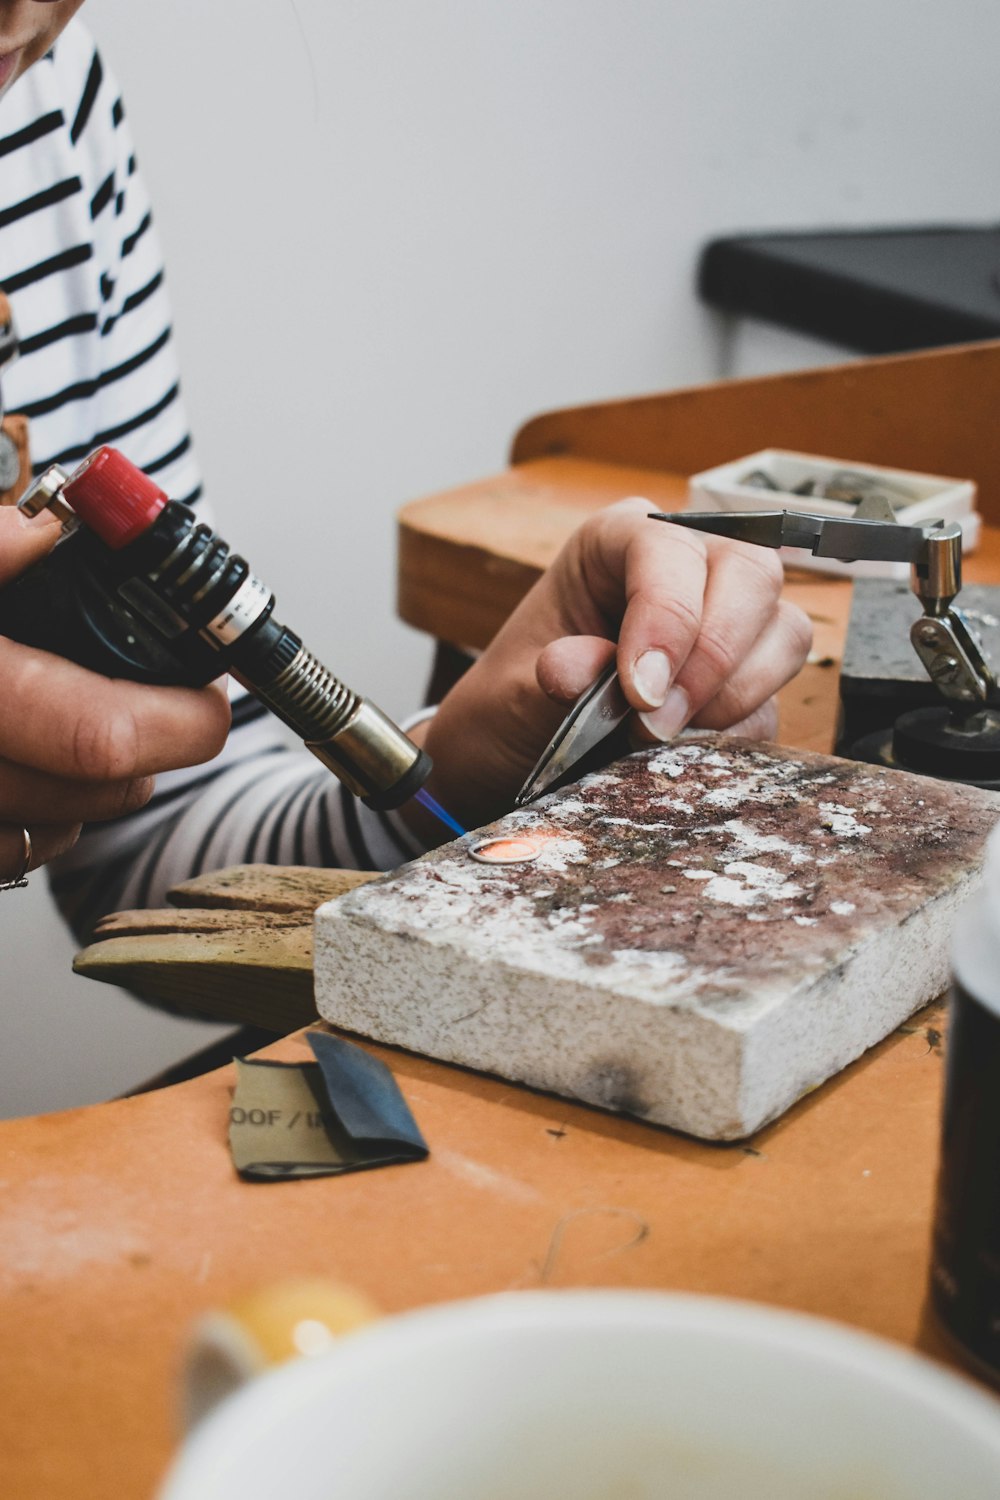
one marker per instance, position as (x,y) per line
(431,805)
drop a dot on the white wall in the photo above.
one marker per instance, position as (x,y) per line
(396,228)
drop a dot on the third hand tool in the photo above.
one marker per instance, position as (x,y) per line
(958,740)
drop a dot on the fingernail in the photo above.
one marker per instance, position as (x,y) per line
(667,720)
(651,676)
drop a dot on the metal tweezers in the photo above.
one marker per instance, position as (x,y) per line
(594,716)
(603,707)
(823,536)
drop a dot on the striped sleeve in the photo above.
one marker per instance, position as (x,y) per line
(80,262)
(260,801)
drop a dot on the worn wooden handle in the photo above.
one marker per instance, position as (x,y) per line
(235,945)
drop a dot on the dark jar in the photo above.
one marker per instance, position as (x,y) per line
(965,1266)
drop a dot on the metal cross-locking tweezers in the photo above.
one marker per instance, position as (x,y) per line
(595,715)
(942,638)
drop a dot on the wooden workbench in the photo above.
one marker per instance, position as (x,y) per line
(120,1223)
(467,556)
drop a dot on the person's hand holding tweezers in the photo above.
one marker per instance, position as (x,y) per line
(702,635)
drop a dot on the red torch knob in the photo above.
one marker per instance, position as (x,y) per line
(114,498)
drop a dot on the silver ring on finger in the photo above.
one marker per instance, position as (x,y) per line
(19,881)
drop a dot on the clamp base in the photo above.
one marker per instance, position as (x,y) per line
(933,742)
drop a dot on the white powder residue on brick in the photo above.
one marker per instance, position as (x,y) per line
(842,821)
(709,929)
(676,803)
(752,841)
(673,761)
(433,907)
(559,854)
(737,790)
(755,885)
(634,823)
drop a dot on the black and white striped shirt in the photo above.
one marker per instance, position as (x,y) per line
(80,264)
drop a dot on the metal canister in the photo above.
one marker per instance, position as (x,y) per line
(965,1270)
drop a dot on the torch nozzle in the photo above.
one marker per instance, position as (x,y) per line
(354,739)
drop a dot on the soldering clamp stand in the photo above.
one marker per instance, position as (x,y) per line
(957,738)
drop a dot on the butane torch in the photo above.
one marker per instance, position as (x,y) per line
(137,588)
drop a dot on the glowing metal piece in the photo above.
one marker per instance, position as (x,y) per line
(505,851)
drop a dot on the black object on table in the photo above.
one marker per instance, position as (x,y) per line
(881,676)
(880,291)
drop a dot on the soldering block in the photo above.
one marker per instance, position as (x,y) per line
(710,930)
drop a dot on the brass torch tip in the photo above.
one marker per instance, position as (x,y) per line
(402,790)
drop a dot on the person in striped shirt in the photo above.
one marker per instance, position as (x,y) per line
(703,636)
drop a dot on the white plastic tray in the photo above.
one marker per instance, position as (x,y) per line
(933,498)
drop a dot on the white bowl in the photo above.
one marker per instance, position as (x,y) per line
(599,1396)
